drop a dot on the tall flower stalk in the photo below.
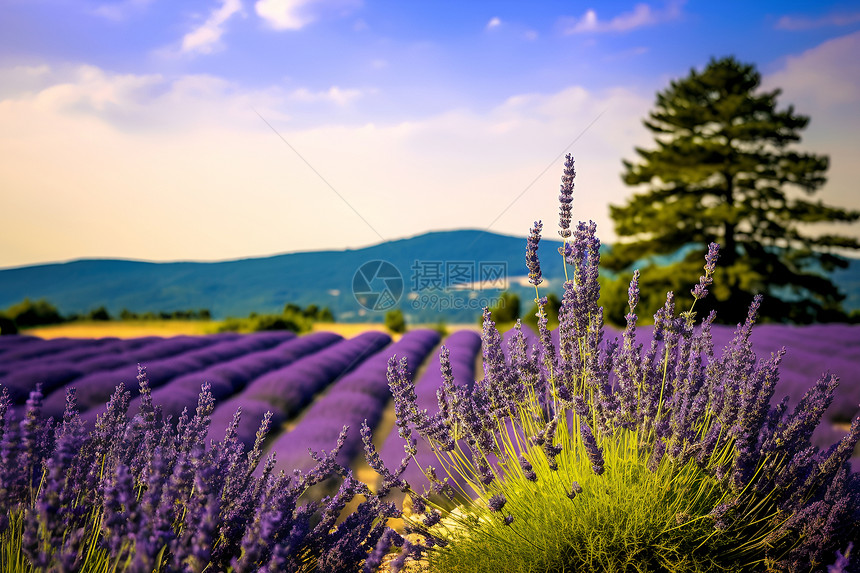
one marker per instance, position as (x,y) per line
(618,456)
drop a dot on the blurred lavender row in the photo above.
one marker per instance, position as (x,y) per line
(164,361)
(286,391)
(50,349)
(68,362)
(464,347)
(360,395)
(8,343)
(226,378)
(117,367)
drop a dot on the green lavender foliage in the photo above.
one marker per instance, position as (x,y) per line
(595,455)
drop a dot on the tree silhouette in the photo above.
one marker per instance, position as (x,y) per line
(724,170)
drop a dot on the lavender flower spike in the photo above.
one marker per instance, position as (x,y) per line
(595,452)
(566,197)
(532,261)
(700,291)
(497,502)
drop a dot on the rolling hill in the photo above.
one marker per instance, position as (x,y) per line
(326,278)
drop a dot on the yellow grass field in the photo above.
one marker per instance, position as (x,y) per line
(124,329)
(137,328)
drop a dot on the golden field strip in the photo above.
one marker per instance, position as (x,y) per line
(137,328)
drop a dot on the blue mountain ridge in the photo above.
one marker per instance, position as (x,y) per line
(440,259)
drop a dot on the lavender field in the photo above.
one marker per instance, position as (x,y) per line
(315,384)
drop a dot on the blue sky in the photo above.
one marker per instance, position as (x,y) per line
(146,129)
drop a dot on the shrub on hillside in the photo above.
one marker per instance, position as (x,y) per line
(29,313)
(395,321)
(7,326)
(507,307)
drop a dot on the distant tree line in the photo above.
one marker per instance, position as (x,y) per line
(33,313)
(293,318)
(201,314)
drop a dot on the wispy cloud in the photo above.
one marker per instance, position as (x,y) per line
(803,23)
(493,23)
(334,95)
(205,38)
(823,77)
(160,147)
(641,16)
(119,11)
(296,14)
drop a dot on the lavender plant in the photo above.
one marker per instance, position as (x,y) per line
(586,455)
(147,495)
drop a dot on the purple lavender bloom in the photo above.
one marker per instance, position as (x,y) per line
(397,564)
(374,560)
(580,406)
(528,470)
(566,197)
(532,261)
(633,293)
(432,518)
(841,564)
(594,452)
(497,502)
(161,492)
(700,291)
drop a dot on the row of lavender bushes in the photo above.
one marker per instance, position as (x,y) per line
(145,494)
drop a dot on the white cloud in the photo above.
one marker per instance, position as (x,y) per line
(206,38)
(284,14)
(149,167)
(642,15)
(119,11)
(22,79)
(824,76)
(163,166)
(803,23)
(334,94)
(824,84)
(493,23)
(296,14)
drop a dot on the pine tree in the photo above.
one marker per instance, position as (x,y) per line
(725,170)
